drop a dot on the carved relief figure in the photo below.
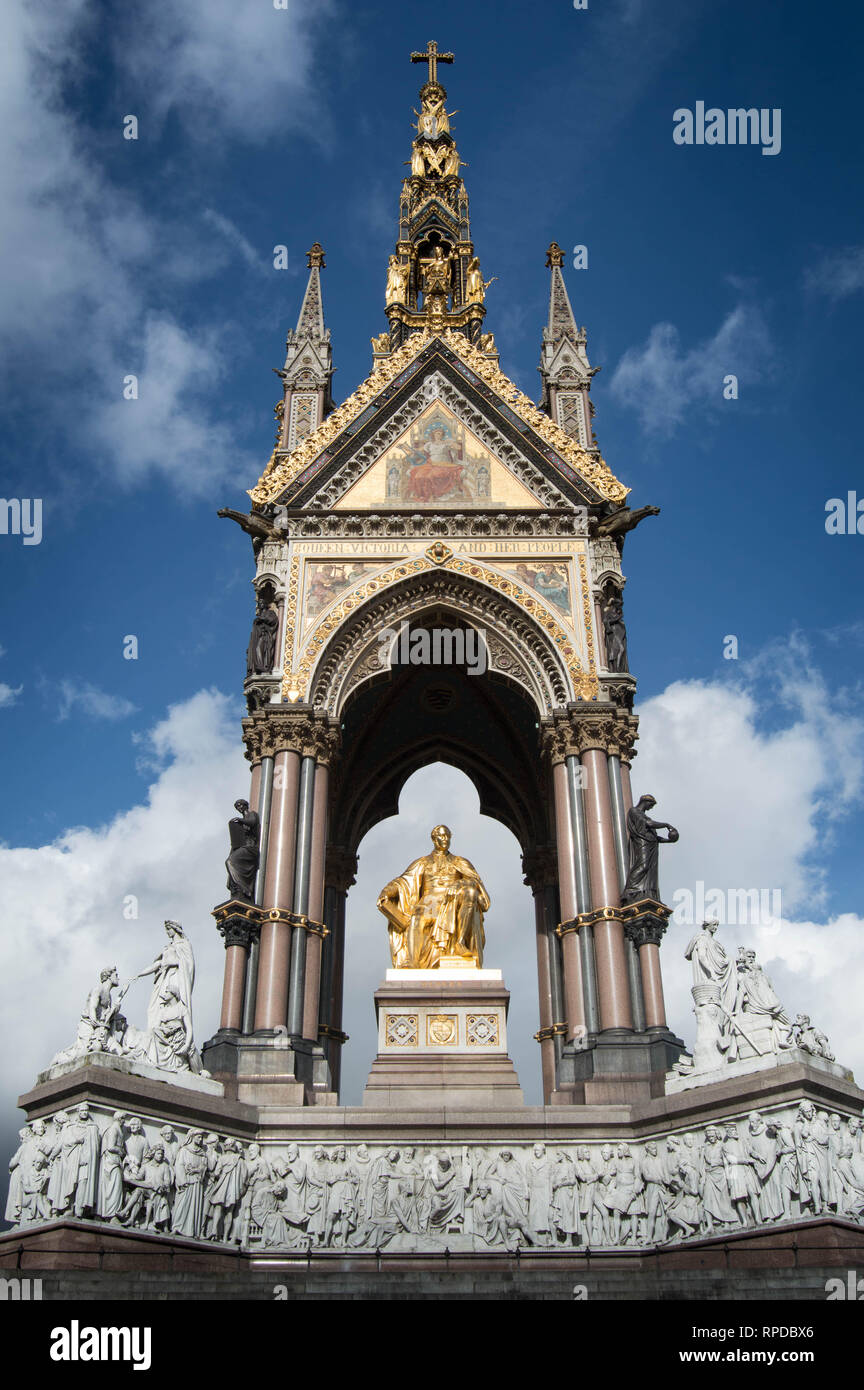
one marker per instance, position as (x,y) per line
(14,1199)
(36,1173)
(717,1209)
(653,1172)
(189,1173)
(111,1174)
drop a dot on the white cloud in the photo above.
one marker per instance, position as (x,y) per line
(72,696)
(762,802)
(838,274)
(244,69)
(165,428)
(661,381)
(86,251)
(233,235)
(9,694)
(755,806)
(64,901)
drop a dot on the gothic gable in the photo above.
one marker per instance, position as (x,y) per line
(529,458)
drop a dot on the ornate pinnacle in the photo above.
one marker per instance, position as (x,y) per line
(554,256)
(315,256)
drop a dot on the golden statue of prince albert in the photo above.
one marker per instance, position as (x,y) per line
(435,910)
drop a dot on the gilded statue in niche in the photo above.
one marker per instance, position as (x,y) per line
(435,910)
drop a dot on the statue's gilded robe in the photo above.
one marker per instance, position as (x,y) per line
(439,939)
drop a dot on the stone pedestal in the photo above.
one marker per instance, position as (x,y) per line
(270,1067)
(770,1062)
(128,1066)
(442,1041)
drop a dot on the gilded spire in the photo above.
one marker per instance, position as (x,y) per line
(434,280)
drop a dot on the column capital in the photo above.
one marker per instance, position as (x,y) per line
(238,923)
(558,737)
(340,868)
(276,729)
(540,867)
(572,732)
(645,921)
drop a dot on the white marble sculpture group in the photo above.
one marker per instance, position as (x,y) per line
(738,1016)
(779,1165)
(167,1042)
(783,1163)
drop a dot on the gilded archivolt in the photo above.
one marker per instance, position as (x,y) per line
(584,681)
(518,648)
(581,670)
(283,467)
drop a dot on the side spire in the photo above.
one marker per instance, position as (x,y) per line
(308,371)
(434,280)
(311,320)
(564,367)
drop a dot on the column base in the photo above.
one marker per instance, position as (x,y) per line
(616,1066)
(269,1068)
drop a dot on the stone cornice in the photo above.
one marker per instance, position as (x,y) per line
(372,525)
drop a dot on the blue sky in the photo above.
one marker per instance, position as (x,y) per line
(260,127)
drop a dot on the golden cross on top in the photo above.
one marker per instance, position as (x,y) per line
(433,58)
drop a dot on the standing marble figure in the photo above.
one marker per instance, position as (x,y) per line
(169,1041)
(242,862)
(642,879)
(711,965)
